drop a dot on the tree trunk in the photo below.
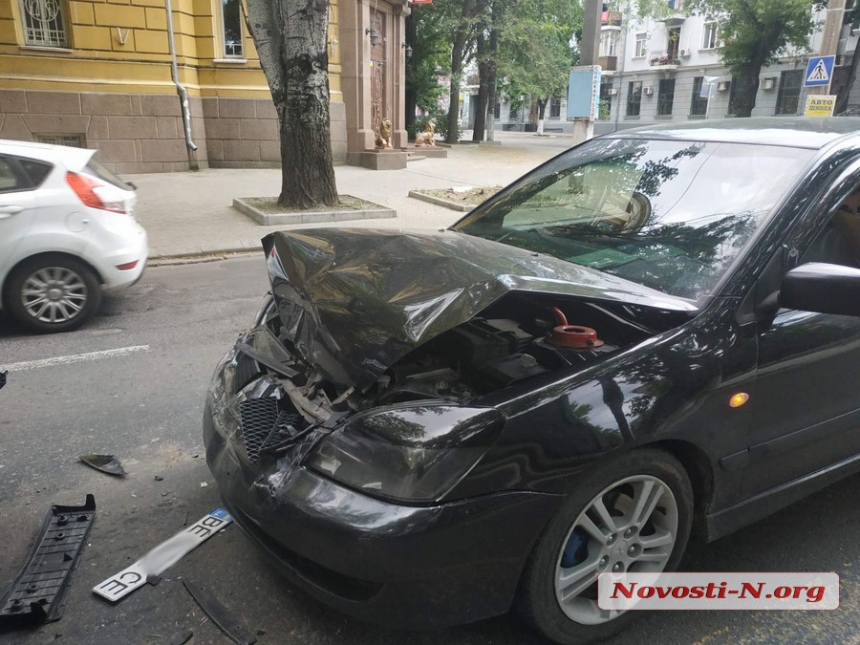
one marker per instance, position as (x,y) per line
(411,96)
(492,94)
(296,68)
(747,90)
(458,53)
(483,74)
(541,113)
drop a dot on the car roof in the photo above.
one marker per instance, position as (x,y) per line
(799,132)
(74,158)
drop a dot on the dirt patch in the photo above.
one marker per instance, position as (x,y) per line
(470,196)
(269,205)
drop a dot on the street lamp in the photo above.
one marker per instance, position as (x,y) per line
(374,37)
(407,50)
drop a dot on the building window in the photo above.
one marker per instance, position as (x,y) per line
(675,5)
(497,111)
(641,45)
(555,109)
(44,23)
(73,140)
(232,24)
(514,113)
(699,104)
(666,97)
(788,98)
(711,36)
(733,106)
(634,98)
(609,43)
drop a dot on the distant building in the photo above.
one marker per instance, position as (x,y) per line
(97,74)
(658,70)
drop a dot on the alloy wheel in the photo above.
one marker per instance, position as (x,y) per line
(631,526)
(54,295)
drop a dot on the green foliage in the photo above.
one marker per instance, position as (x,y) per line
(431,53)
(757,32)
(604,110)
(535,52)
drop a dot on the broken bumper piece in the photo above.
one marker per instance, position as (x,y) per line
(413,567)
(39,592)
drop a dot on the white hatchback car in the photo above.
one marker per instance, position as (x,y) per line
(67,234)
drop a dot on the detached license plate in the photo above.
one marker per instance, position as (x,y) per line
(163,556)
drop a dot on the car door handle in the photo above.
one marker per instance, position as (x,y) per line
(9,211)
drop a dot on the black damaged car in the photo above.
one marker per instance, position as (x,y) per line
(653,335)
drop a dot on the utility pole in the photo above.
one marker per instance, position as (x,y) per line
(830,38)
(583,128)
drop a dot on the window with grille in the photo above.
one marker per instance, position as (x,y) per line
(232,23)
(634,98)
(44,23)
(666,96)
(555,109)
(788,98)
(73,140)
(699,104)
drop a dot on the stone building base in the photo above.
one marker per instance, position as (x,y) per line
(138,133)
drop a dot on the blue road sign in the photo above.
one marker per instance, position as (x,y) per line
(819,71)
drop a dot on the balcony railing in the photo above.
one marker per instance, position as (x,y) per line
(664,60)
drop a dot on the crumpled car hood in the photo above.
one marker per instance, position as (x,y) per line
(355,301)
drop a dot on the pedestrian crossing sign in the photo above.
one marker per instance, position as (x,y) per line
(819,71)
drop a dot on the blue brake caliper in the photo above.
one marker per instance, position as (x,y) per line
(576,550)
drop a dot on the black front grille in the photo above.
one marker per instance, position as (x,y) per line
(258,417)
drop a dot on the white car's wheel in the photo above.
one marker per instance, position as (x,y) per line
(51,293)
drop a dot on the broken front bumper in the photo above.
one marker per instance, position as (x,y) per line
(403,566)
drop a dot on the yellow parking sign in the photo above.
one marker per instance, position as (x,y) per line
(822,105)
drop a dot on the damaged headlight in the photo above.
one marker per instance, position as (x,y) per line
(412,454)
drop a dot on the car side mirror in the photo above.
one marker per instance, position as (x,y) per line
(822,288)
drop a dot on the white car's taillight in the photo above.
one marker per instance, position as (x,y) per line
(95,194)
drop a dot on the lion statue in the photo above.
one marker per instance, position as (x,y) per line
(428,137)
(383,138)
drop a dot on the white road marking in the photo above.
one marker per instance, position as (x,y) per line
(75,358)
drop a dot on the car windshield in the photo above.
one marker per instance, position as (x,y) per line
(670,215)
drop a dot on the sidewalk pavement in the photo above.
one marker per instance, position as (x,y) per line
(191,213)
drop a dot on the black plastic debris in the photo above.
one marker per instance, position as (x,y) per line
(159,478)
(39,592)
(219,615)
(105,463)
(3,379)
(180,638)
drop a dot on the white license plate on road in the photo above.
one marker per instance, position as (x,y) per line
(163,556)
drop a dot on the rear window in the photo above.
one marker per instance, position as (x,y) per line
(95,168)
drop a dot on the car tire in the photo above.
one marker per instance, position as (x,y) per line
(52,286)
(565,546)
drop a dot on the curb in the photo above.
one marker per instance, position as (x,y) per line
(438,201)
(285,219)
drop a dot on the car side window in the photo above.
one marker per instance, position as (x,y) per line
(37,171)
(839,241)
(10,181)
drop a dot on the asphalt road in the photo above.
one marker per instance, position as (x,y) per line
(144,405)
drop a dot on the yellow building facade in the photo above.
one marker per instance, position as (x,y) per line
(97,73)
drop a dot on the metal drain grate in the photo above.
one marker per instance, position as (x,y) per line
(258,418)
